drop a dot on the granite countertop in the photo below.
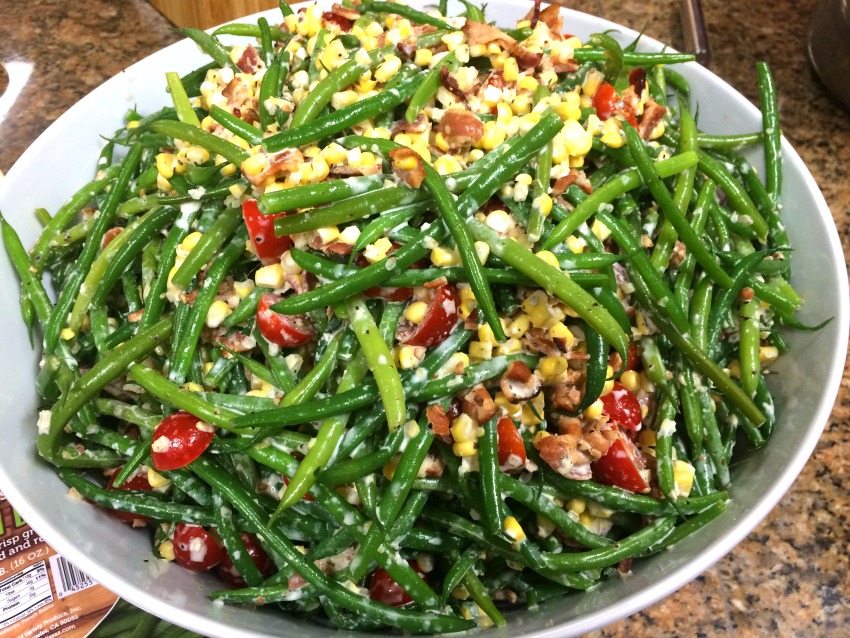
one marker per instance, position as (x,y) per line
(790,576)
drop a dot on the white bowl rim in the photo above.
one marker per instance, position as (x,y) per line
(633,603)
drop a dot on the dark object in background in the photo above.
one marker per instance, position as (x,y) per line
(829,47)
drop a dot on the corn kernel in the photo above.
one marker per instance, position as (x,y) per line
(519,326)
(594,411)
(188,244)
(334,153)
(768,354)
(157,481)
(493,136)
(407,358)
(271,276)
(609,381)
(512,410)
(166,550)
(577,505)
(560,331)
(613,135)
(349,235)
(463,428)
(550,369)
(423,57)
(514,529)
(466,309)
(480,351)
(406,163)
(254,165)
(217,313)
(510,70)
(67,334)
(165,164)
(446,164)
(499,221)
(467,448)
(192,387)
(228,170)
(683,475)
(575,244)
(482,249)
(378,250)
(388,68)
(549,258)
(531,410)
(328,234)
(592,82)
(600,230)
(415,312)
(543,203)
(342,99)
(485,334)
(444,257)
(630,380)
(511,346)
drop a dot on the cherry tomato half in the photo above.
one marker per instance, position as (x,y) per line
(284,330)
(137,482)
(195,548)
(439,320)
(607,103)
(231,575)
(385,590)
(621,466)
(267,245)
(622,407)
(510,442)
(178,440)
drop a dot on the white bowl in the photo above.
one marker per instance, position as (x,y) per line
(805,383)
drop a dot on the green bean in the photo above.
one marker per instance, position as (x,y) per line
(320,97)
(268,89)
(405,12)
(329,435)
(71,287)
(250,31)
(240,128)
(207,246)
(539,190)
(555,281)
(87,386)
(482,599)
(140,204)
(171,394)
(347,116)
(185,112)
(199,137)
(137,503)
(31,284)
(617,186)
(402,618)
(428,88)
(285,9)
(614,55)
(210,45)
(386,221)
(458,570)
(736,194)
(492,514)
(66,213)
(314,194)
(226,528)
(749,343)
(185,344)
(246,309)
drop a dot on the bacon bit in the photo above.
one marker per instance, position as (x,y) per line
(479,405)
(422,29)
(550,16)
(679,253)
(295,582)
(518,383)
(237,342)
(746,294)
(135,317)
(432,467)
(406,49)
(436,283)
(239,100)
(451,85)
(574,355)
(190,298)
(342,17)
(460,127)
(471,322)
(249,61)
(109,235)
(535,13)
(625,565)
(287,160)
(525,59)
(537,341)
(652,114)
(437,418)
(412,176)
(563,183)
(571,452)
(419,125)
(482,33)
(566,395)
(564,65)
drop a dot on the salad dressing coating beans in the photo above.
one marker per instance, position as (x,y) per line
(505,337)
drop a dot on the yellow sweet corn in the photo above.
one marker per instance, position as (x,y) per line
(514,529)
(415,312)
(443,257)
(510,70)
(480,351)
(630,380)
(217,313)
(271,276)
(683,475)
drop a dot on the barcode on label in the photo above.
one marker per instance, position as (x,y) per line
(67,579)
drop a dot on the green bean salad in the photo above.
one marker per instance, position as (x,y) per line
(397,319)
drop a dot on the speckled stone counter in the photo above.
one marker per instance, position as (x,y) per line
(791,576)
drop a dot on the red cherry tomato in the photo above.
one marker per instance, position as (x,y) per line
(440,319)
(138,482)
(284,330)
(342,22)
(231,575)
(607,103)
(510,442)
(267,245)
(178,440)
(621,466)
(195,548)
(622,407)
(385,590)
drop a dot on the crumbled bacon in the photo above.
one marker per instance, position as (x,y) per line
(678,255)
(436,283)
(451,85)
(332,248)
(566,395)
(518,383)
(461,127)
(652,115)
(285,161)
(237,342)
(343,170)
(526,59)
(432,466)
(135,317)
(637,79)
(437,418)
(563,65)
(482,33)
(571,452)
(419,125)
(342,17)
(249,62)
(479,405)
(537,341)
(406,49)
(413,177)
(239,100)
(550,16)
(109,235)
